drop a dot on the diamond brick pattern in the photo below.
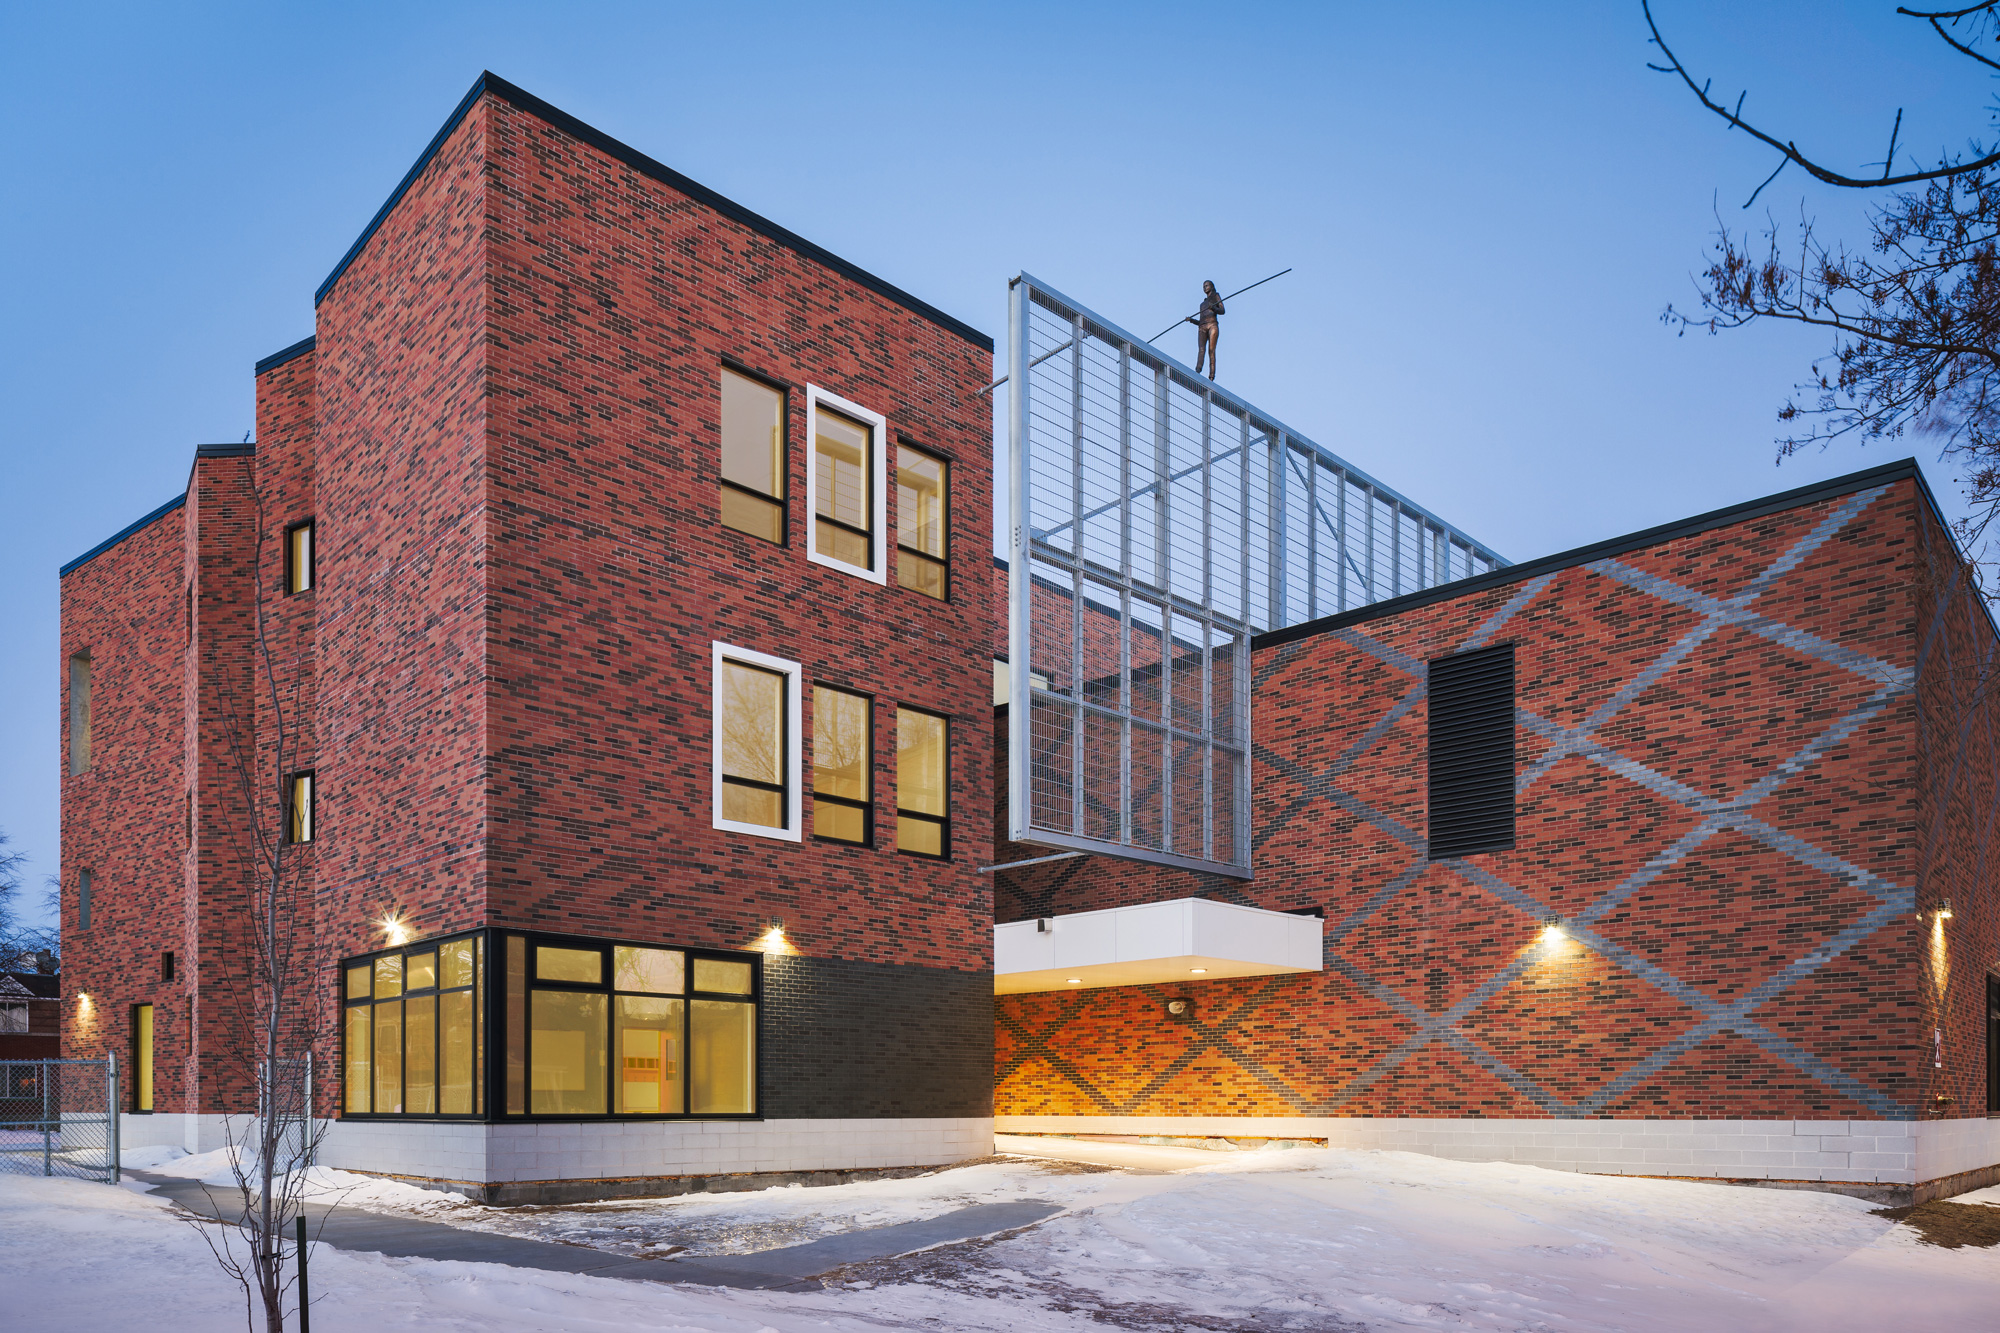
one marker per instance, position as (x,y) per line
(1719,741)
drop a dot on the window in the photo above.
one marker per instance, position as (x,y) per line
(299,808)
(850,505)
(79,713)
(413,1039)
(757,751)
(83,900)
(923,762)
(13,1017)
(605,1028)
(753,457)
(299,557)
(843,780)
(142,1058)
(167,965)
(921,481)
(1472,752)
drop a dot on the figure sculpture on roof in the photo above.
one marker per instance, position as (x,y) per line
(1207,330)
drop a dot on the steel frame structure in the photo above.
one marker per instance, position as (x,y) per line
(1158,522)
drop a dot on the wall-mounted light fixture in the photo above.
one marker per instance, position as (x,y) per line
(1552,935)
(394,930)
(773,940)
(1943,909)
(1180,1010)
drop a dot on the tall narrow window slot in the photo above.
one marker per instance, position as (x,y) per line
(142,1058)
(923,783)
(753,457)
(299,557)
(83,887)
(757,751)
(843,810)
(79,713)
(850,505)
(1472,752)
(299,808)
(921,533)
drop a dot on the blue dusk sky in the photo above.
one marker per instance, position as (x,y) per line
(1486,208)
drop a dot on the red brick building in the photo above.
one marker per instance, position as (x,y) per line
(601,629)
(1749,880)
(589,595)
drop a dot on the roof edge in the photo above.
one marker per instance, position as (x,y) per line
(122,534)
(523,100)
(292,353)
(1686,527)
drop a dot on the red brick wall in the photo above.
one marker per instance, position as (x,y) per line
(124,819)
(1698,903)
(401,380)
(1958,854)
(614,300)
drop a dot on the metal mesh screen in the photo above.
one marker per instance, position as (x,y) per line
(1159,522)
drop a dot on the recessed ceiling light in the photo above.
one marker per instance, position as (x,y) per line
(1074,981)
(1197,969)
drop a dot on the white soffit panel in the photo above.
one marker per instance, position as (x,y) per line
(1182,940)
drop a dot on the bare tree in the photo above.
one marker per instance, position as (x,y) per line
(1914,316)
(20,944)
(271,997)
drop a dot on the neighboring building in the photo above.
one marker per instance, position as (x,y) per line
(1738,868)
(626,659)
(30,1015)
(600,523)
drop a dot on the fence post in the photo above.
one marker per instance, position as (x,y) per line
(112,1128)
(48,1077)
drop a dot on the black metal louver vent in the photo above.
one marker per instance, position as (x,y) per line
(1472,752)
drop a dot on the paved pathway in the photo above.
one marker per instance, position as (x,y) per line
(790,1267)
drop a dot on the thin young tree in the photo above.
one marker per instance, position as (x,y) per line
(270,995)
(21,944)
(1913,315)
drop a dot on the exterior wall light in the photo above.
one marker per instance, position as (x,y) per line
(774,941)
(1943,909)
(394,929)
(1180,1010)
(1552,935)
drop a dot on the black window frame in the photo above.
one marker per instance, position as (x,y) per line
(291,560)
(866,807)
(491,1006)
(152,1055)
(482,1017)
(784,501)
(943,821)
(942,562)
(868,469)
(292,780)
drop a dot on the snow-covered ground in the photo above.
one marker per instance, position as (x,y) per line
(1304,1239)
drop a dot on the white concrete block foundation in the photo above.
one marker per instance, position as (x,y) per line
(1915,1158)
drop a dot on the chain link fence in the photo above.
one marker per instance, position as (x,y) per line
(59,1118)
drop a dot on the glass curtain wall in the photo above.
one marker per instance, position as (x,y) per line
(585,1028)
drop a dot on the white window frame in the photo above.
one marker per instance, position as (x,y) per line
(794,739)
(878,428)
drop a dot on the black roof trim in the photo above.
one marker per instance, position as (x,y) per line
(638,161)
(1716,518)
(122,534)
(292,353)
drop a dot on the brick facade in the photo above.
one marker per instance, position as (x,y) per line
(1745,764)
(505,431)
